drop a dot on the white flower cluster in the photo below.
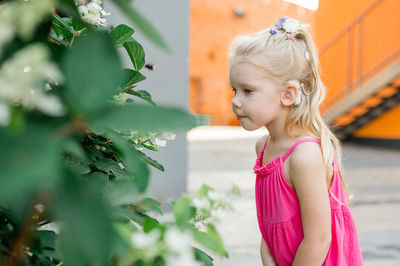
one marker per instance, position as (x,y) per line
(150,138)
(12,23)
(212,207)
(120,99)
(22,81)
(179,245)
(291,25)
(176,246)
(93,13)
(147,243)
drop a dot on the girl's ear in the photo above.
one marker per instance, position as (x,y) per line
(289,94)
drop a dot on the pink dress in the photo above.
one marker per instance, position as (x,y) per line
(279,218)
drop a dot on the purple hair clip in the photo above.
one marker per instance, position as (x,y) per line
(279,24)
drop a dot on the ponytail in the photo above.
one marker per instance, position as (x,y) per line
(312,121)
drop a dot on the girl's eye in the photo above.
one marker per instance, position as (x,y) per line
(247,91)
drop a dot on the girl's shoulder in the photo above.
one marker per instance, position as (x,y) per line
(260,143)
(306,153)
(307,160)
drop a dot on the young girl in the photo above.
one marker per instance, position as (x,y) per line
(302,202)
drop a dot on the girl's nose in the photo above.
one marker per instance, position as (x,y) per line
(235,102)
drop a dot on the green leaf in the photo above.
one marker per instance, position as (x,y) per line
(86,235)
(121,192)
(98,177)
(203,257)
(59,25)
(93,73)
(183,211)
(77,25)
(111,167)
(93,153)
(142,94)
(69,9)
(57,31)
(211,240)
(131,159)
(136,53)
(58,20)
(152,162)
(121,33)
(55,38)
(142,24)
(131,77)
(74,164)
(47,242)
(204,190)
(135,216)
(151,205)
(149,224)
(29,161)
(144,117)
(72,146)
(122,245)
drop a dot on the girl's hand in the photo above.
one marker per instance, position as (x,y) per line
(266,257)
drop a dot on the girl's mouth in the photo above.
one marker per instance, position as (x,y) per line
(240,117)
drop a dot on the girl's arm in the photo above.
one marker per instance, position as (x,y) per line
(308,174)
(266,257)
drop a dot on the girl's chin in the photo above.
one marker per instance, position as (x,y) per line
(248,126)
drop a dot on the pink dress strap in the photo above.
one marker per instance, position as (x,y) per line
(298,143)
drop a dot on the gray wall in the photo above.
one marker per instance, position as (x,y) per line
(168,84)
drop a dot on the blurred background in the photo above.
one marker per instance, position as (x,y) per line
(359,49)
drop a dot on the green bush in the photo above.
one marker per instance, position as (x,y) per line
(73,172)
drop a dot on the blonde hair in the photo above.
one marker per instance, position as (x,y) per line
(284,60)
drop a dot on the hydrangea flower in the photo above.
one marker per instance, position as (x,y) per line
(150,138)
(212,206)
(143,240)
(202,203)
(176,240)
(160,142)
(93,13)
(186,259)
(12,22)
(179,243)
(23,77)
(120,99)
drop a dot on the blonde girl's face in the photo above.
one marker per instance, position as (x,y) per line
(256,100)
